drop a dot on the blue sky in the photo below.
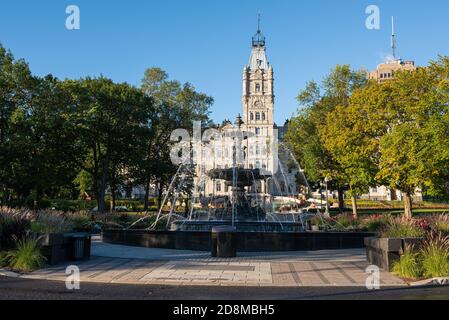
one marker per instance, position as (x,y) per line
(208,42)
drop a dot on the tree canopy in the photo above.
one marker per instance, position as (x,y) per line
(89,136)
(364,135)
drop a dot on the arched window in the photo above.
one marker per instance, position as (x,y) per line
(257,116)
(257,87)
(257,130)
(251,116)
(263,116)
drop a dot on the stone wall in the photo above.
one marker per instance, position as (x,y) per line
(246,241)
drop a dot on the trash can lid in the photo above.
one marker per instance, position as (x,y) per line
(78,236)
(224,229)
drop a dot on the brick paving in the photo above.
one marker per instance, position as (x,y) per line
(340,268)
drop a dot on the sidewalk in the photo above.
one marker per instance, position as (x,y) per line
(132,265)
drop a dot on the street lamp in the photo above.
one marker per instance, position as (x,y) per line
(326,180)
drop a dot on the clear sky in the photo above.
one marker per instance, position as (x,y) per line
(207,42)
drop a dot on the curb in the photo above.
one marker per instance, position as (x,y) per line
(431,282)
(9,274)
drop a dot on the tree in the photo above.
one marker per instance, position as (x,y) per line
(30,123)
(14,76)
(351,135)
(304,135)
(395,133)
(414,147)
(106,120)
(178,106)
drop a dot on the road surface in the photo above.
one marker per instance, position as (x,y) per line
(26,289)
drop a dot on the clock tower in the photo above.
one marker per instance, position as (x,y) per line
(258,91)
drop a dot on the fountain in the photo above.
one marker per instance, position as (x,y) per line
(273,218)
(244,206)
(245,212)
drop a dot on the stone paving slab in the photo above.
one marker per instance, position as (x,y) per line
(279,274)
(342,268)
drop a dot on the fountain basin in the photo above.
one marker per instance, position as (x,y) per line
(246,241)
(241,226)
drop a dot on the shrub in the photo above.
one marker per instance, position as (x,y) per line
(26,257)
(12,227)
(408,266)
(51,223)
(345,222)
(105,225)
(131,205)
(442,227)
(71,205)
(435,256)
(17,213)
(316,220)
(82,221)
(3,259)
(440,224)
(402,228)
(375,223)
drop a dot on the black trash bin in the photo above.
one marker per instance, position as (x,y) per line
(78,247)
(81,246)
(224,243)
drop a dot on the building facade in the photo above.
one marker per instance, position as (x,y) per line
(386,71)
(259,141)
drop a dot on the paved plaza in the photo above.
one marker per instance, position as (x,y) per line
(132,265)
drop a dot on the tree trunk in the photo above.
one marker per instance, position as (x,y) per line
(113,184)
(113,199)
(102,191)
(408,204)
(111,205)
(6,199)
(147,195)
(354,207)
(341,200)
(160,194)
(393,195)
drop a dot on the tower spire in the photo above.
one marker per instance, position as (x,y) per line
(393,39)
(258,39)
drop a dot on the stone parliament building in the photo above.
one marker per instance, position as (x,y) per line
(261,149)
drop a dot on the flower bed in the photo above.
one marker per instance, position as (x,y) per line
(30,239)
(412,249)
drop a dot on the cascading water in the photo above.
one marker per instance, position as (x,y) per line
(243,203)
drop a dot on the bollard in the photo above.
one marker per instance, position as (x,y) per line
(224,244)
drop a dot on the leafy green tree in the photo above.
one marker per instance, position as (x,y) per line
(14,78)
(31,165)
(304,135)
(413,149)
(352,135)
(178,106)
(395,133)
(105,121)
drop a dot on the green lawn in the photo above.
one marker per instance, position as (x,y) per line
(396,204)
